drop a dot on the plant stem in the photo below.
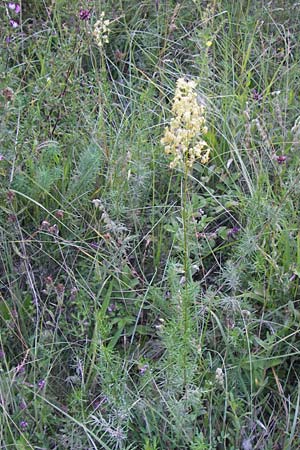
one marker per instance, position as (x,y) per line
(185,299)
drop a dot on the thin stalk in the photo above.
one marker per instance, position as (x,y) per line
(185,300)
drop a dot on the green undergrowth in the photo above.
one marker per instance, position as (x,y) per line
(142,307)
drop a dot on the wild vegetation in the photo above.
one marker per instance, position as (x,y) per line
(149,219)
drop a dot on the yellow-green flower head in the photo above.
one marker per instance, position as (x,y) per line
(182,138)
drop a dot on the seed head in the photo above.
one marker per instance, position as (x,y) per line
(220,376)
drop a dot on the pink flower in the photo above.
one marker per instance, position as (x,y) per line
(256,95)
(144,369)
(281,159)
(84,14)
(15,7)
(13,23)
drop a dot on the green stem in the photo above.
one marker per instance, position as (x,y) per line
(103,89)
(187,275)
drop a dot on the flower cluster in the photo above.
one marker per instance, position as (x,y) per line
(16,8)
(182,138)
(101,30)
(84,14)
(23,424)
(41,384)
(281,159)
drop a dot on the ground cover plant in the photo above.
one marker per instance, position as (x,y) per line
(149,219)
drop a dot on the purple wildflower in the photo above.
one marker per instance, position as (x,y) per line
(14,7)
(144,369)
(256,95)
(2,354)
(233,231)
(94,245)
(41,384)
(281,159)
(13,23)
(23,424)
(22,405)
(111,308)
(84,14)
(293,276)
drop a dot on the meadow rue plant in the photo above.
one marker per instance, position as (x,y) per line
(101,31)
(183,137)
(183,141)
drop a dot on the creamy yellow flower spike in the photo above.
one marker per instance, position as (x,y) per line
(182,138)
(101,31)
